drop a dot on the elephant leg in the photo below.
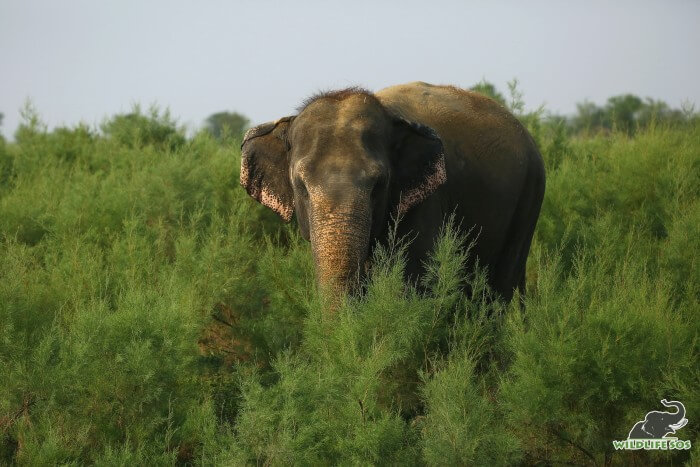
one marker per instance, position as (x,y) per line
(421,227)
(509,272)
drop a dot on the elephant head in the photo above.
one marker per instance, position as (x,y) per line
(658,424)
(344,164)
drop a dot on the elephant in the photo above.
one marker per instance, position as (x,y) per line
(352,160)
(657,425)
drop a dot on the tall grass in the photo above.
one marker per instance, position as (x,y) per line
(151,313)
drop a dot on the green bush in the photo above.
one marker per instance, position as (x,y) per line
(152,313)
(137,130)
(597,348)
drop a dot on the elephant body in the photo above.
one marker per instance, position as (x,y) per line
(495,179)
(351,159)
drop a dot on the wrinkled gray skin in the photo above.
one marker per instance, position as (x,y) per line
(658,424)
(351,159)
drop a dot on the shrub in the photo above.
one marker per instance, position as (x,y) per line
(150,312)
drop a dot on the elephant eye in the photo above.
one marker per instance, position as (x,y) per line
(372,140)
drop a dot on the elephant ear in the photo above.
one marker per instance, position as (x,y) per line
(265,166)
(419,167)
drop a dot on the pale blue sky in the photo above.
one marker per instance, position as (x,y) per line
(84,60)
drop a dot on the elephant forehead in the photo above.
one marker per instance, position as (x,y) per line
(358,112)
(359,119)
(358,102)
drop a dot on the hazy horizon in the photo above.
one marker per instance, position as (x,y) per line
(83,61)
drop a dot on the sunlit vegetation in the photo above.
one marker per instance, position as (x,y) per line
(152,313)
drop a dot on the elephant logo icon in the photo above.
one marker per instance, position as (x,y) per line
(657,424)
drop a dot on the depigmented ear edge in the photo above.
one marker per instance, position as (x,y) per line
(437,177)
(272,201)
(436,173)
(259,191)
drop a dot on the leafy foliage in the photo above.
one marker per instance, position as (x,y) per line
(624,113)
(151,313)
(137,130)
(223,125)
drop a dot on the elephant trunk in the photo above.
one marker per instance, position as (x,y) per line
(680,414)
(340,244)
